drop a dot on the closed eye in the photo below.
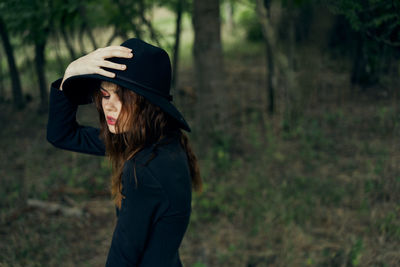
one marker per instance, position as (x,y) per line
(104,94)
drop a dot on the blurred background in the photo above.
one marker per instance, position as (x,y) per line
(294,111)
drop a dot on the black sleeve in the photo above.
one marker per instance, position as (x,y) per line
(63,131)
(140,210)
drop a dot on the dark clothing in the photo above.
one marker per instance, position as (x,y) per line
(154,216)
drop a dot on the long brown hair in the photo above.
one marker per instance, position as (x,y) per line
(145,124)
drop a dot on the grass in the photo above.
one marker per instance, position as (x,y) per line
(281,196)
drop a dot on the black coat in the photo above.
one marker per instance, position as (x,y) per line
(154,216)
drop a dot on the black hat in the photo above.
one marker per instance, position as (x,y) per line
(147,73)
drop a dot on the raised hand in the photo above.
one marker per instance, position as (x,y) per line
(92,62)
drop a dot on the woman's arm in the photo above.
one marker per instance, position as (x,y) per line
(63,131)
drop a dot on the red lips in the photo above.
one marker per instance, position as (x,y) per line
(111,120)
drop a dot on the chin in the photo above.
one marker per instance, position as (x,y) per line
(111,129)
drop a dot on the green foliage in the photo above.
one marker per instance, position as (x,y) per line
(378,19)
(300,195)
(172,4)
(254,136)
(389,226)
(311,134)
(334,118)
(199,264)
(248,20)
(31,20)
(355,253)
(220,152)
(34,21)
(371,37)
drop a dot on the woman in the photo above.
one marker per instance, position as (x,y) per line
(141,135)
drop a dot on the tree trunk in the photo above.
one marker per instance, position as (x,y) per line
(179,6)
(67,39)
(91,38)
(270,77)
(112,37)
(358,72)
(269,37)
(125,11)
(153,33)
(211,111)
(82,12)
(292,34)
(40,64)
(1,81)
(18,100)
(81,35)
(229,15)
(60,61)
(291,95)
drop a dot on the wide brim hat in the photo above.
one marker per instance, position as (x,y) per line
(147,73)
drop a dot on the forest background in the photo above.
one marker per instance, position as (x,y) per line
(294,111)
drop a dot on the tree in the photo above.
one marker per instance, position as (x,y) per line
(178,10)
(16,84)
(377,26)
(378,19)
(179,7)
(31,21)
(39,21)
(263,12)
(129,16)
(212,100)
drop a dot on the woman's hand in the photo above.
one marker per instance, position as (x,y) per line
(92,62)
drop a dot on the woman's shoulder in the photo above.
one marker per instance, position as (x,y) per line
(164,166)
(165,161)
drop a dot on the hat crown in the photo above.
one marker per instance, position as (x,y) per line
(150,67)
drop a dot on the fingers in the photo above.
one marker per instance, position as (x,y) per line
(117,53)
(112,65)
(105,73)
(117,47)
(114,51)
(94,61)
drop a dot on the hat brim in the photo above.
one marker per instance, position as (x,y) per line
(79,90)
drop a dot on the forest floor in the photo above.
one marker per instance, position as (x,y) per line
(319,188)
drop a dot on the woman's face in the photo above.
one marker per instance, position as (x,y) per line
(111,104)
